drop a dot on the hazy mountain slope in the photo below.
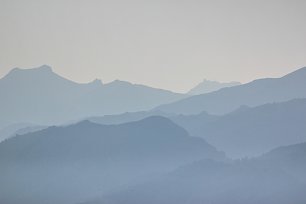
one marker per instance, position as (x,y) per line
(244,132)
(189,122)
(14,129)
(119,97)
(70,164)
(127,117)
(291,159)
(252,94)
(251,131)
(264,180)
(207,86)
(40,96)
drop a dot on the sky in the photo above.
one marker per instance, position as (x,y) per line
(160,43)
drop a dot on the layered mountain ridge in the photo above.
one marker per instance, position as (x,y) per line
(72,163)
(42,97)
(257,92)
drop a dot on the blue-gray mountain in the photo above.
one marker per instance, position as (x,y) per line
(207,86)
(255,93)
(42,97)
(128,117)
(246,132)
(250,131)
(77,162)
(18,128)
(275,178)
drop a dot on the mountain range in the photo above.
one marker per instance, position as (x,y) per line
(69,143)
(277,177)
(249,132)
(72,163)
(245,132)
(42,97)
(207,86)
(252,94)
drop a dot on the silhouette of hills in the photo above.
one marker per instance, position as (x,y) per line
(251,131)
(252,94)
(207,86)
(245,132)
(288,158)
(158,156)
(19,128)
(73,163)
(274,178)
(127,117)
(41,96)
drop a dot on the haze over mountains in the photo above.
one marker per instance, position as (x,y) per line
(249,132)
(18,128)
(207,86)
(255,93)
(246,132)
(40,96)
(202,137)
(275,178)
(77,162)
(124,143)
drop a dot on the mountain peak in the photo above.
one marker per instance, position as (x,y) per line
(85,123)
(207,86)
(119,83)
(160,122)
(45,68)
(40,69)
(96,82)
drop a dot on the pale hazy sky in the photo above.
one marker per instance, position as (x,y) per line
(160,43)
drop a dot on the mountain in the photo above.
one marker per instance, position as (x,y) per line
(127,117)
(207,86)
(250,131)
(252,94)
(275,178)
(245,132)
(41,96)
(76,162)
(290,159)
(19,128)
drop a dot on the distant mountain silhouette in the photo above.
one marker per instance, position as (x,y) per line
(250,131)
(290,159)
(127,117)
(40,96)
(255,93)
(73,163)
(207,86)
(19,128)
(274,178)
(245,132)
